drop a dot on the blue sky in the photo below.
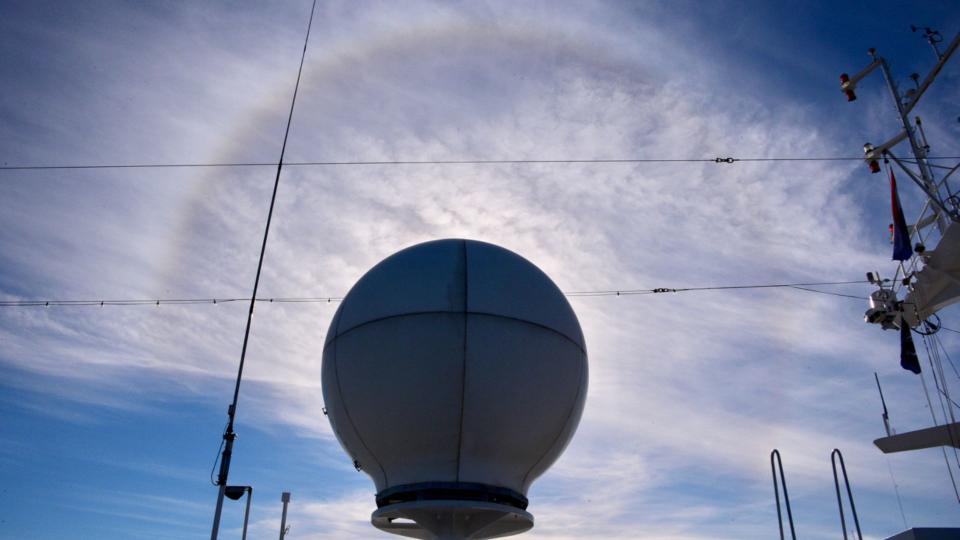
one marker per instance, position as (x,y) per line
(112,416)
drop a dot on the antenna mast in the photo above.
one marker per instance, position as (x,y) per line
(229,436)
(929,291)
(931,277)
(886,416)
(941,199)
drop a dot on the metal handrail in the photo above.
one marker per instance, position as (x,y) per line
(836,484)
(776,493)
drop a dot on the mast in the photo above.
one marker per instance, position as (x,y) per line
(929,278)
(944,208)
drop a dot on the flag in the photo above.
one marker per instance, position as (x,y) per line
(908,353)
(901,235)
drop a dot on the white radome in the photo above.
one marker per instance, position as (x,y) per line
(454,374)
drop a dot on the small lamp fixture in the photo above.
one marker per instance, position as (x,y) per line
(871,161)
(847,87)
(236,493)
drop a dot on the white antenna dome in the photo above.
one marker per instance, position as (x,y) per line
(454,374)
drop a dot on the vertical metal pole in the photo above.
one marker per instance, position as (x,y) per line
(926,148)
(918,152)
(216,514)
(246,513)
(229,436)
(285,498)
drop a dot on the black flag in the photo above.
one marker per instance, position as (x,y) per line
(901,234)
(908,353)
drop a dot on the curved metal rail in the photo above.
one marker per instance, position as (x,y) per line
(776,464)
(836,484)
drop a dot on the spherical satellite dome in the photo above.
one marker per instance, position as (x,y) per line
(454,374)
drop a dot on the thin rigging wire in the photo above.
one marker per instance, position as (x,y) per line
(161,301)
(943,381)
(718,160)
(830,293)
(946,460)
(896,490)
(947,355)
(933,359)
(936,367)
(767,286)
(330,299)
(934,354)
(933,415)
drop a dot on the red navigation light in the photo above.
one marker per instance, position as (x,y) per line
(874,166)
(848,90)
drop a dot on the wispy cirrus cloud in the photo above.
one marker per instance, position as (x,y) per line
(689,391)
